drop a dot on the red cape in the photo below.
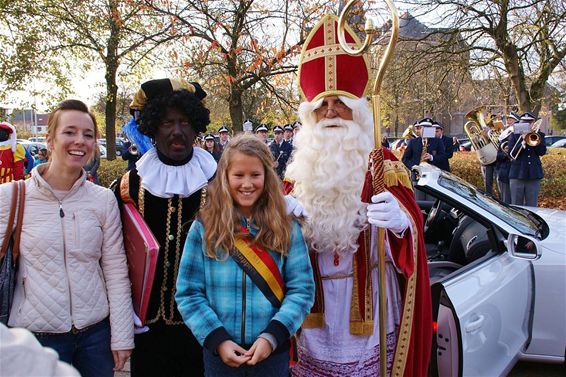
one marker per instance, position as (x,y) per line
(414,341)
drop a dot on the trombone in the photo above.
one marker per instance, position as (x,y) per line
(531,138)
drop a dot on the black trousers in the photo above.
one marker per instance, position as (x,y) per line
(167,351)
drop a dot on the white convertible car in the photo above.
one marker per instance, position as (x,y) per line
(498,279)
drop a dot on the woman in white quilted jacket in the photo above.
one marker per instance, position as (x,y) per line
(72,290)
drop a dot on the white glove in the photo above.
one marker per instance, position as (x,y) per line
(386,213)
(294,207)
(138,328)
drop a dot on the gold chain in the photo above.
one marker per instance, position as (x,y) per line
(177,253)
(141,200)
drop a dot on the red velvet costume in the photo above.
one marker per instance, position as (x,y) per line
(12,156)
(325,70)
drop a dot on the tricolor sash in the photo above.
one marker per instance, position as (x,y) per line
(259,265)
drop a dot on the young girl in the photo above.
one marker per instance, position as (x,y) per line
(245,280)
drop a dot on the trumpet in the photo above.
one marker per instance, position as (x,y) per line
(531,138)
(133,149)
(425,147)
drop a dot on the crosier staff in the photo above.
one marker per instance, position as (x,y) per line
(376,156)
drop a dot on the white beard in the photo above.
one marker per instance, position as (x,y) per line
(328,167)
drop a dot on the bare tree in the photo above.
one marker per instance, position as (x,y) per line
(239,46)
(107,32)
(522,41)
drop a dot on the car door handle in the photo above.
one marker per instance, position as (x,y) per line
(474,325)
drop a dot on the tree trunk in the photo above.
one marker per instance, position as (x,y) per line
(112,64)
(236,115)
(110,112)
(516,75)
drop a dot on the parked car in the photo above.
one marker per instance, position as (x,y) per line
(497,277)
(465,146)
(551,139)
(102,151)
(37,139)
(32,146)
(559,144)
(120,145)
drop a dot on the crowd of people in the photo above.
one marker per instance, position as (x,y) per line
(268,250)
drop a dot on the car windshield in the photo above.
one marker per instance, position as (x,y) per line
(518,220)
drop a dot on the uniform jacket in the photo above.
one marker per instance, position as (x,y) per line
(210,294)
(72,265)
(502,166)
(528,164)
(441,161)
(281,153)
(412,154)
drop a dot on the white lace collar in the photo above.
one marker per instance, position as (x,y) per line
(164,181)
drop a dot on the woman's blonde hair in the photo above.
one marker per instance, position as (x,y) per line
(222,221)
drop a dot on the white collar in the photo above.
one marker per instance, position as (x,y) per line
(165,181)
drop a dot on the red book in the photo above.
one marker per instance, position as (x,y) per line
(141,250)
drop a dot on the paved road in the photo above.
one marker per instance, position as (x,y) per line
(522,369)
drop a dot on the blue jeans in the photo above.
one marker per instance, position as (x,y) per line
(88,351)
(276,365)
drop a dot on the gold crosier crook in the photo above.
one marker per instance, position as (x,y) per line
(376,156)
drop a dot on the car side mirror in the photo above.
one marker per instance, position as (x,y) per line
(524,247)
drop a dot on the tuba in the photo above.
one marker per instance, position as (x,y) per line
(483,143)
(409,133)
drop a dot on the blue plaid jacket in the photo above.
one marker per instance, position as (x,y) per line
(209,294)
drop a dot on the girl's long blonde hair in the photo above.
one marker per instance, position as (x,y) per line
(220,217)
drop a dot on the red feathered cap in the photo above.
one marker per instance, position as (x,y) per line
(325,69)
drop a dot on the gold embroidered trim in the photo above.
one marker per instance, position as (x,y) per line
(337,276)
(362,323)
(405,330)
(141,200)
(326,51)
(170,211)
(362,328)
(125,188)
(313,321)
(330,59)
(305,50)
(395,173)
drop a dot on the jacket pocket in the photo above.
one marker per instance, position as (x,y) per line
(87,235)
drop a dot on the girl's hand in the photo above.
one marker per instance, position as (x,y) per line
(260,351)
(232,354)
(120,358)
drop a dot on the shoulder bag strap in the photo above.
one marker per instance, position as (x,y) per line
(8,232)
(18,230)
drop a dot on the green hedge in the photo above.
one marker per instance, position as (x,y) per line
(110,170)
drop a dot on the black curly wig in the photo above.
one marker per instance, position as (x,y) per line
(182,100)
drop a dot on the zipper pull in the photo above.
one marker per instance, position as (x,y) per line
(61,213)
